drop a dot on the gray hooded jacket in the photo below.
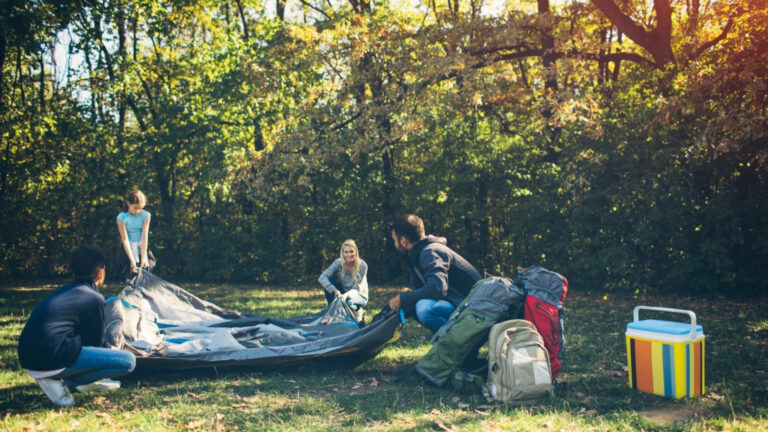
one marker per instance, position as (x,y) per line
(437,272)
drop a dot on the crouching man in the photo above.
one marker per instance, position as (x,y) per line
(440,277)
(61,344)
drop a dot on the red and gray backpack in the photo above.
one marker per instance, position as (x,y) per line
(543,306)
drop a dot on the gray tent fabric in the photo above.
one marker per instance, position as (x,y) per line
(168,327)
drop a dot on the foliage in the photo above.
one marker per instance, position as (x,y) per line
(624,146)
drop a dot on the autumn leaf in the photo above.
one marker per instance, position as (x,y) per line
(195,424)
(441,426)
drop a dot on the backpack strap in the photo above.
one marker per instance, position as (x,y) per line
(405,375)
(468,381)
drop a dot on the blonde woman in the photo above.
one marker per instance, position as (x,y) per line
(346,273)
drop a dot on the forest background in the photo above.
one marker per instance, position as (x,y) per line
(622,143)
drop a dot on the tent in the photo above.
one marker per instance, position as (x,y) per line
(169,328)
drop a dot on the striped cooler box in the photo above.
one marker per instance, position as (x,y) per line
(666,358)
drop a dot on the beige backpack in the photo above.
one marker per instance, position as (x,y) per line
(518,364)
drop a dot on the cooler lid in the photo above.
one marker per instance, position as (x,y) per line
(666,327)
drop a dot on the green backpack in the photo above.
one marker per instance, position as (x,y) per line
(518,364)
(458,341)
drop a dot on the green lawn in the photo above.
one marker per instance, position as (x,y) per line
(332,395)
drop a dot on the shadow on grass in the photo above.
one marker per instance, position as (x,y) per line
(361,391)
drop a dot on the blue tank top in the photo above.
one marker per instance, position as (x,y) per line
(133,224)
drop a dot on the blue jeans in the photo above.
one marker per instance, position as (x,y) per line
(330,297)
(94,364)
(432,314)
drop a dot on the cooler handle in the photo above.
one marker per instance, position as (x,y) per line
(691,315)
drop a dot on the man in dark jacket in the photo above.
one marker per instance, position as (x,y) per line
(440,277)
(60,345)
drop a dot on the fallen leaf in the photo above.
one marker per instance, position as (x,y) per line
(485,413)
(357,386)
(374,382)
(239,406)
(100,400)
(715,396)
(195,424)
(463,405)
(441,426)
(108,420)
(196,396)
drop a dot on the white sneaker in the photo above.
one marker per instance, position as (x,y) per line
(56,391)
(104,384)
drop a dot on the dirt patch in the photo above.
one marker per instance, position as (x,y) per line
(673,414)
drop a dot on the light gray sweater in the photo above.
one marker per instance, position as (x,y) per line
(344,278)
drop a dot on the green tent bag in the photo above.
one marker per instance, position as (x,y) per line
(468,333)
(467,328)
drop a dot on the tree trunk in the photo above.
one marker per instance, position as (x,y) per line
(280,9)
(243,20)
(548,60)
(122,48)
(42,82)
(2,70)
(658,41)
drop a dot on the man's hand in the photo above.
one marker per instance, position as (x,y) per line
(394,303)
(336,293)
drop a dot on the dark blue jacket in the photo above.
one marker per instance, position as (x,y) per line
(437,272)
(67,320)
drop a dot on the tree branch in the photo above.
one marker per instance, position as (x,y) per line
(714,41)
(657,41)
(315,8)
(633,30)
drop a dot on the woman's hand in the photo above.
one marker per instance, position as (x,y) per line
(394,303)
(336,293)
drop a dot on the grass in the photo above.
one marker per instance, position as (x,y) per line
(335,396)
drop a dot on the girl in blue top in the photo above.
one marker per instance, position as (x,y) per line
(133,225)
